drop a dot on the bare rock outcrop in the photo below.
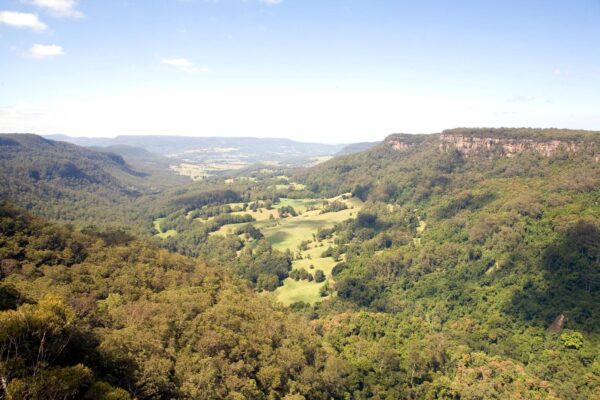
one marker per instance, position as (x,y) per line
(505,142)
(400,143)
(509,147)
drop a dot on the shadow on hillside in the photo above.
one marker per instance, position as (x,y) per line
(570,286)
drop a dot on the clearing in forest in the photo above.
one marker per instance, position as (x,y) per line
(161,234)
(298,234)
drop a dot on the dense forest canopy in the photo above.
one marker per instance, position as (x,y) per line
(71,183)
(105,315)
(461,265)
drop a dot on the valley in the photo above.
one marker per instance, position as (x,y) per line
(295,226)
(201,157)
(299,200)
(422,266)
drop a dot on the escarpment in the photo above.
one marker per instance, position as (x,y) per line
(508,147)
(505,142)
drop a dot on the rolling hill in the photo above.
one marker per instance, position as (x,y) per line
(63,181)
(235,152)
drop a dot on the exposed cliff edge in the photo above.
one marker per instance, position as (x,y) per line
(404,141)
(506,142)
(467,145)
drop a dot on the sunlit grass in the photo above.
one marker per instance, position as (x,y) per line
(293,291)
(290,232)
(161,234)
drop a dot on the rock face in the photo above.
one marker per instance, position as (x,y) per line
(405,141)
(503,142)
(400,143)
(558,323)
(509,147)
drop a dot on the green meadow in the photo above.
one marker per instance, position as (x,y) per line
(294,291)
(289,233)
(161,234)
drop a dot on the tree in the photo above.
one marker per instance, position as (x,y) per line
(319,276)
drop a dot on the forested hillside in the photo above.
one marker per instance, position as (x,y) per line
(476,262)
(460,265)
(71,183)
(102,315)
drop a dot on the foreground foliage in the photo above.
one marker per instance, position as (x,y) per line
(108,316)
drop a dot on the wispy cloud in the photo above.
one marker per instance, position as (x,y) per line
(271,2)
(561,72)
(520,99)
(58,8)
(44,51)
(22,20)
(183,64)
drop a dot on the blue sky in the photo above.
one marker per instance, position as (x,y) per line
(318,70)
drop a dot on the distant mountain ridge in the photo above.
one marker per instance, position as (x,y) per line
(217,149)
(356,148)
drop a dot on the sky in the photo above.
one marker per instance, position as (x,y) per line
(334,71)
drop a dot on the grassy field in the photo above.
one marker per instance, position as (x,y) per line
(229,229)
(300,205)
(293,291)
(308,292)
(325,264)
(305,291)
(292,231)
(289,233)
(202,170)
(161,234)
(260,215)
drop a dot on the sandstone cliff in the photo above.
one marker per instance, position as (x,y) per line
(504,141)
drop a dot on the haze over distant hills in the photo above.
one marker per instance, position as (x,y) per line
(200,157)
(227,150)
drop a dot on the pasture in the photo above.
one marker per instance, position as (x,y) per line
(293,291)
(290,232)
(161,234)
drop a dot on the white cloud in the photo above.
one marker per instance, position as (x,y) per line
(561,72)
(22,20)
(58,8)
(183,64)
(43,51)
(271,2)
(520,99)
(177,62)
